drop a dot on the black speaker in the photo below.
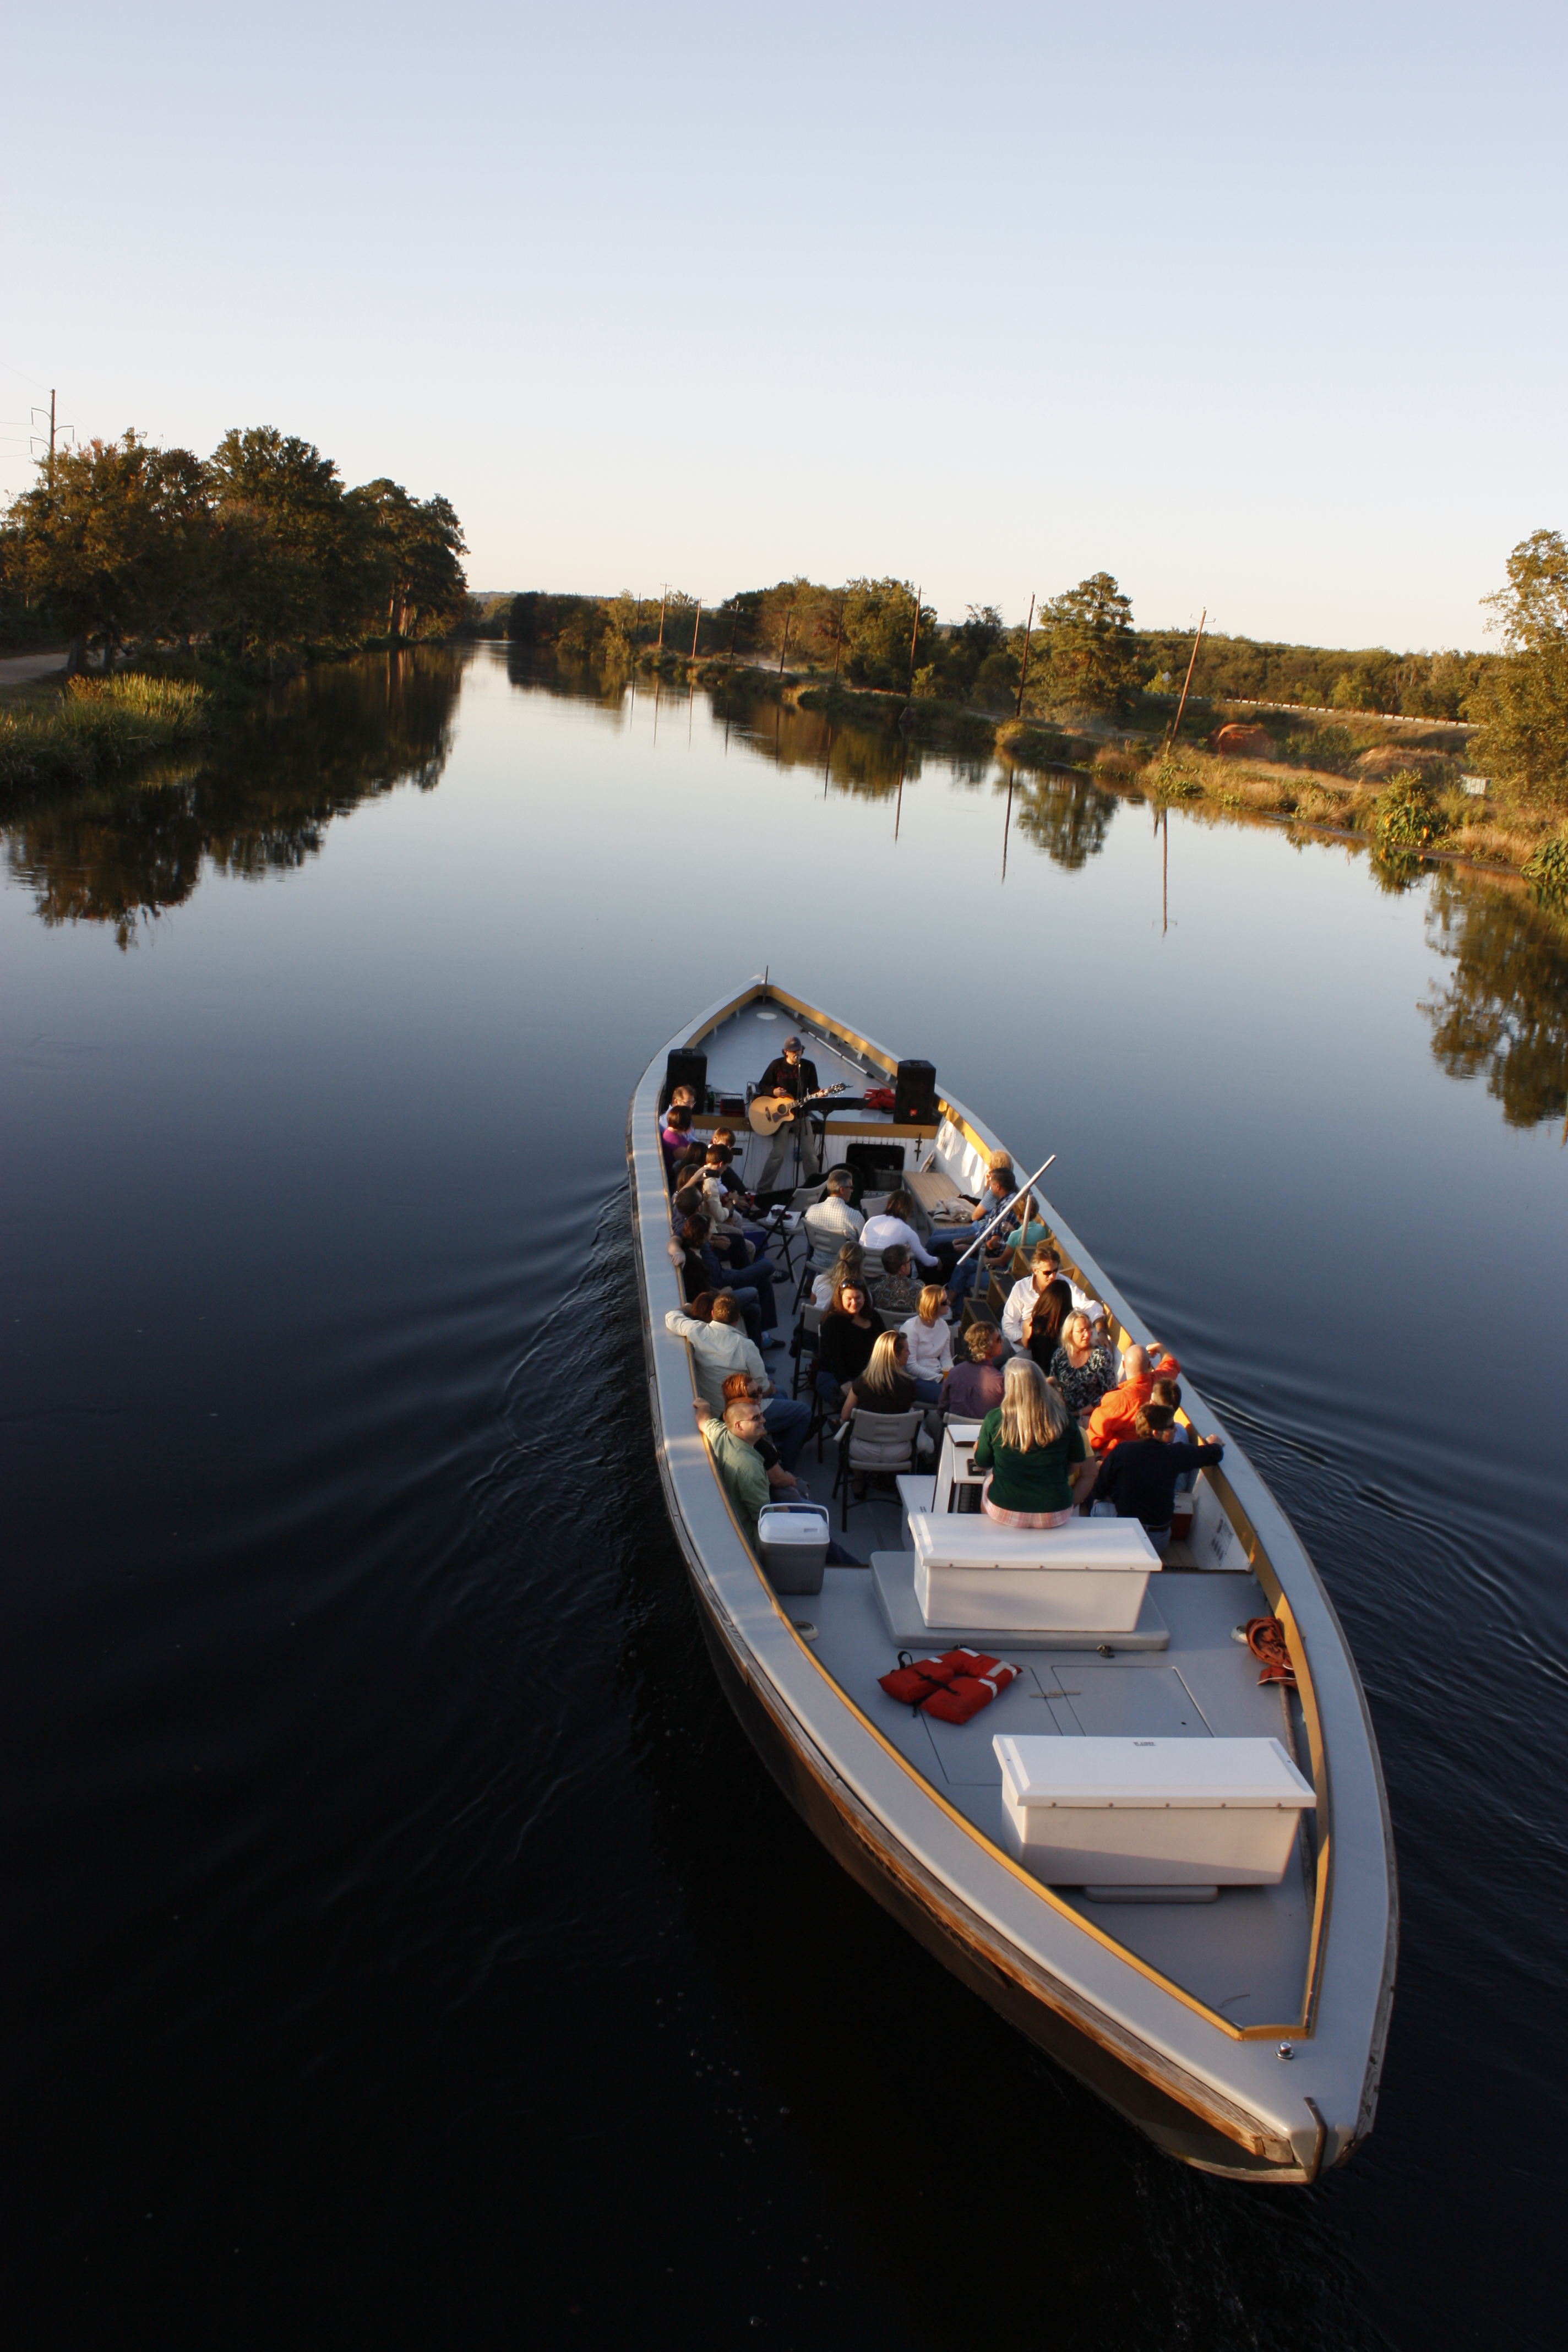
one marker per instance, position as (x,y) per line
(914,1094)
(684,1068)
(876,1159)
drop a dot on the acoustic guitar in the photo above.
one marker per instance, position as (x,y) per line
(768,1113)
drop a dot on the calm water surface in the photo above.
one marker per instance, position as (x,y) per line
(402,1937)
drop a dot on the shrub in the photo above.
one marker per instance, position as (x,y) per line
(1546,870)
(1405,817)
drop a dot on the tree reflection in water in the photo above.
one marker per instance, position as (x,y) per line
(1066,815)
(1504,1014)
(123,854)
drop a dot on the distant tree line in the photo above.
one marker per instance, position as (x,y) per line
(259,552)
(1084,654)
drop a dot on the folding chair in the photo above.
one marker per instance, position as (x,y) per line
(875,1443)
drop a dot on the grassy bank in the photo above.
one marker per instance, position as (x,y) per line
(1397,787)
(92,728)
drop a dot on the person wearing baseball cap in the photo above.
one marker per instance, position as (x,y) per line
(790,1073)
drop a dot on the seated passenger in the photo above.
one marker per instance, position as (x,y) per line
(1046,1266)
(1139,1479)
(743,1387)
(1081,1368)
(1041,1329)
(676,1135)
(885,1385)
(994,1206)
(929,1340)
(738,1462)
(892,1226)
(1111,1423)
(1030,1229)
(1033,1453)
(973,1389)
(718,1347)
(684,1099)
(849,1265)
(898,1287)
(844,1344)
(832,1216)
(735,1445)
(702,1268)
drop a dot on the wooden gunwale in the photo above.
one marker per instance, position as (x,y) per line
(1300,2027)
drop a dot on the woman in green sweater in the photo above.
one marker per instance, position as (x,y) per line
(1034,1450)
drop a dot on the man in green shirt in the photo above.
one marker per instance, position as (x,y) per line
(733,1444)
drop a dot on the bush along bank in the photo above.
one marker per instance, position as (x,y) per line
(97,728)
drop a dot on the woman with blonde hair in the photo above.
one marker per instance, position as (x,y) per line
(1081,1370)
(930,1343)
(885,1385)
(1033,1452)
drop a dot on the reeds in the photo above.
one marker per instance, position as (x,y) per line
(96,726)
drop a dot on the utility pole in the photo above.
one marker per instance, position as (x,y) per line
(696,625)
(662,602)
(784,639)
(914,642)
(838,637)
(1022,674)
(1188,679)
(51,440)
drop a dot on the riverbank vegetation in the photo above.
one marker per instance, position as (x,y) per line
(1447,753)
(259,557)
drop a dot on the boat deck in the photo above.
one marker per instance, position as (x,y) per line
(1243,1954)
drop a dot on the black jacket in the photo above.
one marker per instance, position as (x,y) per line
(801,1081)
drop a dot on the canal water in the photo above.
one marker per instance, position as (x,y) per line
(401,1938)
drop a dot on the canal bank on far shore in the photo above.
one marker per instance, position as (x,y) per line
(1400,786)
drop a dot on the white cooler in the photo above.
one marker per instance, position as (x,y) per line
(793,1540)
(975,1576)
(1151,1812)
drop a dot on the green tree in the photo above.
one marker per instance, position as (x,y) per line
(118,545)
(1521,700)
(415,549)
(879,619)
(1090,649)
(298,560)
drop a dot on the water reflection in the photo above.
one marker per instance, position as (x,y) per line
(1068,816)
(1504,1012)
(122,855)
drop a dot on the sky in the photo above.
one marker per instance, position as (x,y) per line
(1262,308)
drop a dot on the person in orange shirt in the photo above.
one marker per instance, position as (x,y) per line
(1111,1423)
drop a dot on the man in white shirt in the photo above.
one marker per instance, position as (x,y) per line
(721,1347)
(1047,1266)
(831,1222)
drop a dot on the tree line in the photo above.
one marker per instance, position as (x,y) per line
(1082,652)
(259,553)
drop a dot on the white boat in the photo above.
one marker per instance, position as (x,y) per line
(1243,2031)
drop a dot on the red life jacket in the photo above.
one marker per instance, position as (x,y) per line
(955,1687)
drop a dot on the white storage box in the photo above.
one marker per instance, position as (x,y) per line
(1089,1576)
(792,1538)
(1151,1812)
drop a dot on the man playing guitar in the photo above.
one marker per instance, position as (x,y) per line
(789,1075)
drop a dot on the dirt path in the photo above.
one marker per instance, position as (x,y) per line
(21,670)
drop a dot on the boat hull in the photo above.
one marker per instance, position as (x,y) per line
(1181,2073)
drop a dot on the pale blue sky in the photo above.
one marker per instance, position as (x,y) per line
(1258,307)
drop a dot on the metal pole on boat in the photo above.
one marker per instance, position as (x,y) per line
(996,1219)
